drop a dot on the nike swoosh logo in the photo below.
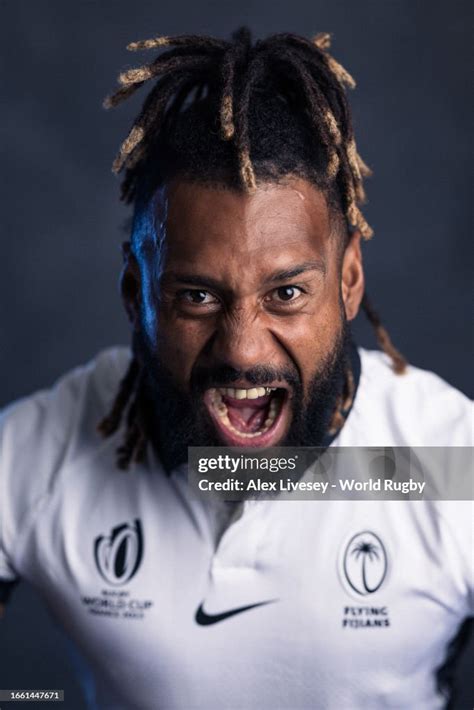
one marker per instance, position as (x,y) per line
(204,619)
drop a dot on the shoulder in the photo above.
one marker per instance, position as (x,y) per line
(39,434)
(454,536)
(51,417)
(417,408)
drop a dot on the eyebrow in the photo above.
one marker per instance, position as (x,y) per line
(209,282)
(192,280)
(297,270)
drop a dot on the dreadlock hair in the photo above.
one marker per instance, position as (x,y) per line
(233,112)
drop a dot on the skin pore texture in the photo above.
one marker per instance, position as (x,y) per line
(239,305)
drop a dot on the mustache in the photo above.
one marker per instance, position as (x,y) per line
(224,375)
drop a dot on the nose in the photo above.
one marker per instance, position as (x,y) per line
(243,341)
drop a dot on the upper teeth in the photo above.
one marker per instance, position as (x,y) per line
(239,393)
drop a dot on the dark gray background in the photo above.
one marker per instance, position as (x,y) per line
(61,220)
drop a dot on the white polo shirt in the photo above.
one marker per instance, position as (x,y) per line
(133,567)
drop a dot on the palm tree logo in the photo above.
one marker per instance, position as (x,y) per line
(368,551)
(365,563)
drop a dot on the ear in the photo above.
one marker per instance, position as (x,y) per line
(352,276)
(130,284)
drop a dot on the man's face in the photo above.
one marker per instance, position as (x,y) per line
(241,313)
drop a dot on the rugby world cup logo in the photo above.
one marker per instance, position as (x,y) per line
(364,563)
(119,554)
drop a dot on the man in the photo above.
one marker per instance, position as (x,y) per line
(242,275)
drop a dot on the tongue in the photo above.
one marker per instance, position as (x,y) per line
(246,416)
(248,419)
(245,413)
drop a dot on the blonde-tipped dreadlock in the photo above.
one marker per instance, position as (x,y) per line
(231,83)
(399,362)
(323,81)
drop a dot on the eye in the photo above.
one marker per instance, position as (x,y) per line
(285,294)
(197,297)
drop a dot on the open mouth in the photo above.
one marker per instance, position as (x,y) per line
(251,417)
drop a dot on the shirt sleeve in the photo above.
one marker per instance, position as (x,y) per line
(8,574)
(35,434)
(39,435)
(457,521)
(21,482)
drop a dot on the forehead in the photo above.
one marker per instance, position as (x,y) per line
(213,226)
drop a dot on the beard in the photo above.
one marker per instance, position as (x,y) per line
(175,419)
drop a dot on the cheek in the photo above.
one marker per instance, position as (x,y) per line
(180,341)
(311,336)
(176,341)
